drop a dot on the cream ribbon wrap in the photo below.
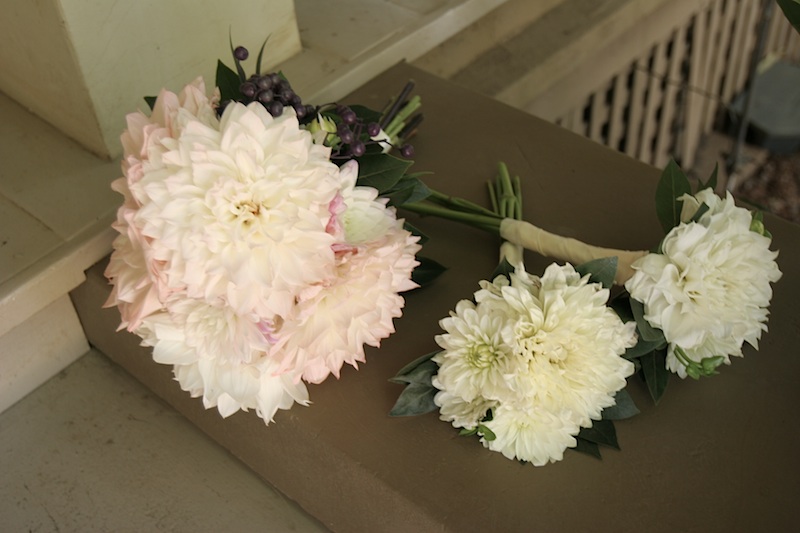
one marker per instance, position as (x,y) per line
(567,249)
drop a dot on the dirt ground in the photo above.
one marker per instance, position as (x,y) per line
(775,187)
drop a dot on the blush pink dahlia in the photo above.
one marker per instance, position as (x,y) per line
(246,258)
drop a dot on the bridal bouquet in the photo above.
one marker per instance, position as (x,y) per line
(253,255)
(535,365)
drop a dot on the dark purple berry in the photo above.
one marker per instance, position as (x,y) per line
(341,108)
(275,79)
(300,110)
(373,129)
(248,89)
(275,108)
(287,95)
(241,53)
(345,133)
(349,117)
(264,96)
(358,148)
(296,100)
(407,151)
(310,110)
(264,82)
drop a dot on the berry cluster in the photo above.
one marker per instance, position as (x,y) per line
(272,90)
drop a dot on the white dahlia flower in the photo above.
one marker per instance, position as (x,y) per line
(709,289)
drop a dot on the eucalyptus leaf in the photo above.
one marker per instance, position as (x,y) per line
(427,271)
(672,185)
(622,409)
(602,432)
(228,82)
(646,331)
(381,171)
(656,375)
(416,399)
(600,270)
(587,447)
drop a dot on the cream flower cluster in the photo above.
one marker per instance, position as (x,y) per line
(246,258)
(543,354)
(709,289)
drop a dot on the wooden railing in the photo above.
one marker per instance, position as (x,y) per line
(678,89)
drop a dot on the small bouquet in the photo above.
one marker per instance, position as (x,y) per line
(536,365)
(253,254)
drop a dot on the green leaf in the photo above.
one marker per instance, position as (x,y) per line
(427,271)
(646,331)
(421,374)
(622,409)
(699,213)
(151,101)
(504,268)
(622,306)
(261,56)
(672,185)
(791,9)
(602,432)
(644,347)
(411,366)
(656,375)
(587,447)
(486,433)
(228,82)
(407,190)
(466,432)
(366,114)
(416,399)
(712,180)
(381,171)
(600,270)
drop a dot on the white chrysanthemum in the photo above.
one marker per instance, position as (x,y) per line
(546,350)
(475,360)
(457,411)
(532,434)
(709,289)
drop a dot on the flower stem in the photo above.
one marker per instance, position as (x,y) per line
(484,222)
(460,204)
